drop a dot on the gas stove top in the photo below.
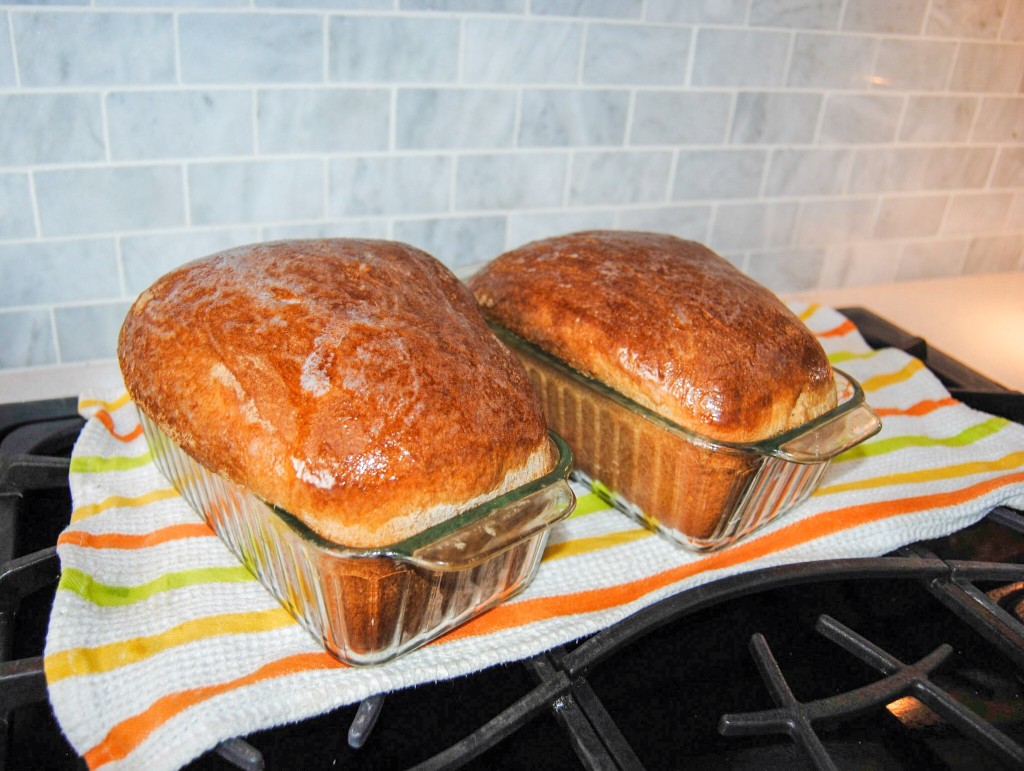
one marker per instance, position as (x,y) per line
(911,660)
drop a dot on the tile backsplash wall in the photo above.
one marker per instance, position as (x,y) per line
(815,143)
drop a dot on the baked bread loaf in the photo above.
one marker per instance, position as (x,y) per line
(353,383)
(677,329)
(669,324)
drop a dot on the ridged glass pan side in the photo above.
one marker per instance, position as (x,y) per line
(367,606)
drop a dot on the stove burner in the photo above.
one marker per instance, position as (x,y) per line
(902,682)
(646,692)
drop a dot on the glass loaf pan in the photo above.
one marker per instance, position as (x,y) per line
(367,606)
(702,493)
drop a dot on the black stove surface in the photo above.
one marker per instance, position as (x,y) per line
(912,660)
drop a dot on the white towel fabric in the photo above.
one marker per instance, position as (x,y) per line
(161,645)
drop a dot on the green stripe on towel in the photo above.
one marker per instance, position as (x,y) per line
(93,464)
(968,436)
(106,595)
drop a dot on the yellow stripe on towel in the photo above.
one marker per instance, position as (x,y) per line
(1009,462)
(121,401)
(104,658)
(122,502)
(593,543)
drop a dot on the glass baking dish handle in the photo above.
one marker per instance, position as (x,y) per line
(833,436)
(507,526)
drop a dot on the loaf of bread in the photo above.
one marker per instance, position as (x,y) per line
(677,329)
(352,383)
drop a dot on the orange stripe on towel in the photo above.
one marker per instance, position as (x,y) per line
(129,734)
(104,417)
(843,329)
(921,408)
(134,540)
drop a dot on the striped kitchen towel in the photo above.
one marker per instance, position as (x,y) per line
(161,644)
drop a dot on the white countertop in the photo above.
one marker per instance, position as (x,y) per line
(977,319)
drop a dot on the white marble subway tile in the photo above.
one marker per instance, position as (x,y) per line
(461,243)
(354,228)
(689,222)
(1013,22)
(229,192)
(957,167)
(698,11)
(16,217)
(633,54)
(397,184)
(26,339)
(168,4)
(774,117)
(510,181)
(41,272)
(832,61)
(965,18)
(920,168)
(994,254)
(823,222)
(717,60)
(860,263)
(976,213)
(72,48)
(1015,219)
(715,174)
(988,67)
(89,332)
(524,227)
(327,5)
(594,9)
(563,117)
(179,124)
(916,216)
(387,49)
(913,65)
(860,118)
(938,118)
(753,225)
(807,172)
(247,47)
(922,260)
(109,199)
(322,120)
(791,270)
(60,3)
(1009,168)
(7,73)
(50,128)
(1000,119)
(454,118)
(619,177)
(531,52)
(905,17)
(463,6)
(147,257)
(680,117)
(796,14)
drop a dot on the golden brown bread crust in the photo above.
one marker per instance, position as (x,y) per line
(354,383)
(668,323)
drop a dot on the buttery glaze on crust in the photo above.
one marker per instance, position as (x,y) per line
(354,383)
(668,323)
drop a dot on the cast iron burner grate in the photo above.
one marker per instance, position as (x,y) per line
(789,667)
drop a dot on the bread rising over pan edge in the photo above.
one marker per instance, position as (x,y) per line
(353,383)
(668,323)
